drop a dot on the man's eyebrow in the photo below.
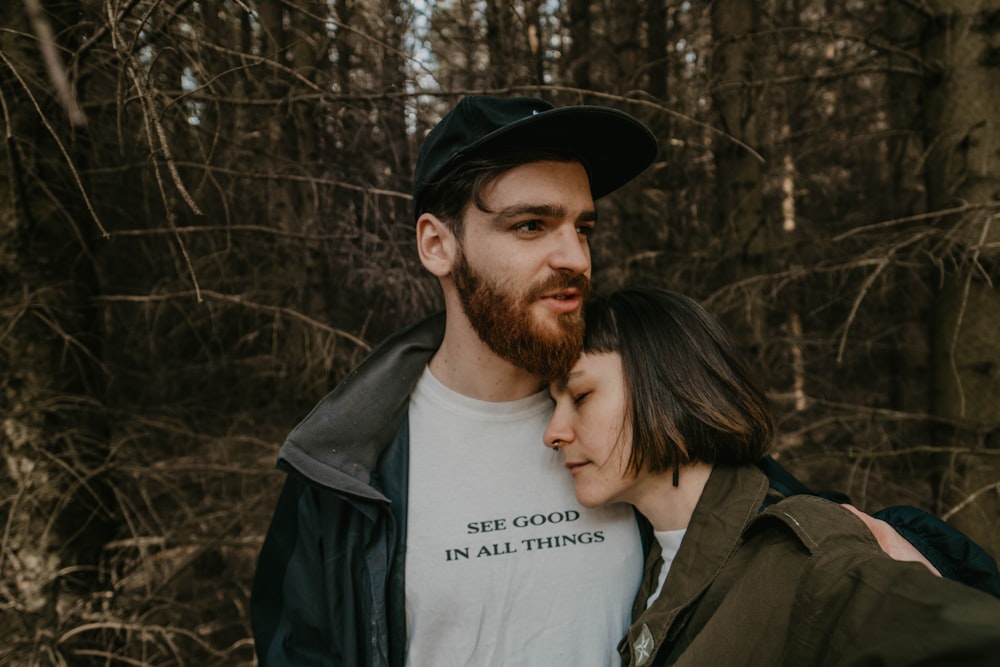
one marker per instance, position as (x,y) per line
(543,210)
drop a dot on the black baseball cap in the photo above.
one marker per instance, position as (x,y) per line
(612,145)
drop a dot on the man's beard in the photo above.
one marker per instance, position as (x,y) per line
(503,320)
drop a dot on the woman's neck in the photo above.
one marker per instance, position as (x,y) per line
(670,507)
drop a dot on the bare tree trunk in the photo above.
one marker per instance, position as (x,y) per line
(580,45)
(536,40)
(500,43)
(624,22)
(392,112)
(909,381)
(311,62)
(53,443)
(745,235)
(963,170)
(740,176)
(657,49)
(272,44)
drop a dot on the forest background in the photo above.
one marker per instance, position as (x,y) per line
(205,223)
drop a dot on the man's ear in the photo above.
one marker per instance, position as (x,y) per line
(436,244)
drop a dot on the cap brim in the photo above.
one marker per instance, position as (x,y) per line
(613,146)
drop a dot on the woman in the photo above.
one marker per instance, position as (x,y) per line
(662,413)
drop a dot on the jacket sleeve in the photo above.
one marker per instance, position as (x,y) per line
(951,551)
(305,606)
(870,610)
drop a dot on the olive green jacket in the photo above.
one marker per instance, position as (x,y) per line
(802,584)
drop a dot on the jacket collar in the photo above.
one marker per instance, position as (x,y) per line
(731,499)
(339,443)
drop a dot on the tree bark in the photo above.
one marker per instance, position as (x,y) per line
(657,49)
(501,44)
(963,168)
(740,177)
(625,23)
(580,43)
(53,441)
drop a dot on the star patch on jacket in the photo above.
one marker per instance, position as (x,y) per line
(643,646)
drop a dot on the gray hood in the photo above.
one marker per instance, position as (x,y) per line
(339,443)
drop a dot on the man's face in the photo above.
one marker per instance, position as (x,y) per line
(522,272)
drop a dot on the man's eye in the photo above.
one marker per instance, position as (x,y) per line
(529,226)
(585,230)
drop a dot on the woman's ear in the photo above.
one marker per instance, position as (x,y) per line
(436,244)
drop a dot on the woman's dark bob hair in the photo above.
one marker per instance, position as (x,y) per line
(692,395)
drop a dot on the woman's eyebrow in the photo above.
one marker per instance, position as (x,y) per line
(561,384)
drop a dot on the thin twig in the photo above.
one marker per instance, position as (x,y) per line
(54,66)
(149,116)
(930,215)
(242,301)
(650,104)
(963,304)
(862,292)
(969,500)
(59,143)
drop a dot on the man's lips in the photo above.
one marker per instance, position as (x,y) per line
(565,300)
(561,287)
(569,293)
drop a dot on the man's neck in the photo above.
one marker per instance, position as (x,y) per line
(466,365)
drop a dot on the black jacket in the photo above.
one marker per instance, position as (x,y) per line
(329,583)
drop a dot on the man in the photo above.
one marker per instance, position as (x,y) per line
(422,521)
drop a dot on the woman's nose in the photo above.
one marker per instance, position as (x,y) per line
(556,433)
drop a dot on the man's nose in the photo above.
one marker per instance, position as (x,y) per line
(571,252)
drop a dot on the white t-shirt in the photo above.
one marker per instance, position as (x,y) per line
(670,542)
(503,566)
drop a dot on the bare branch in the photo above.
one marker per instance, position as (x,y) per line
(242,301)
(53,64)
(59,143)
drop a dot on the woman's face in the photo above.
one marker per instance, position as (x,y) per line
(590,429)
